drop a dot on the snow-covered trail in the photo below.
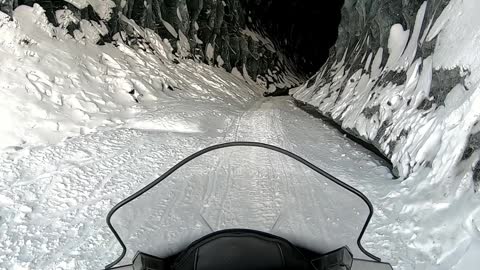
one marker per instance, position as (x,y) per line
(54,199)
(285,125)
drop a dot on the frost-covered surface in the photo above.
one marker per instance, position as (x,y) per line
(409,83)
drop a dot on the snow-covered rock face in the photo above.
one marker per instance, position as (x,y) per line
(404,76)
(216,32)
(54,86)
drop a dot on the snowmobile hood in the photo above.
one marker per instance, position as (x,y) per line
(241,185)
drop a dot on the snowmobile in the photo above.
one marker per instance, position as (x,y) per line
(243,206)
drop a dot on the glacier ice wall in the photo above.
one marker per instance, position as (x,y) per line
(404,76)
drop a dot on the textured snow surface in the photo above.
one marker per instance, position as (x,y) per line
(55,198)
(439,219)
(51,89)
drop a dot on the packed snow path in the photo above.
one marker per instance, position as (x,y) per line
(63,192)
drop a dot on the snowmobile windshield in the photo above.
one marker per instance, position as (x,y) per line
(242,185)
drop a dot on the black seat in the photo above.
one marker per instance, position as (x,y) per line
(241,249)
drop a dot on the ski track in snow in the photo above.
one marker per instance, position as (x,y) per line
(55,198)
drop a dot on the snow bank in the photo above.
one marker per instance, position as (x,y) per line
(53,86)
(416,97)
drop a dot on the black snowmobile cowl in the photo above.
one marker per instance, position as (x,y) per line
(229,207)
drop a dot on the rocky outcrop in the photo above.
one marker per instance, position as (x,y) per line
(395,79)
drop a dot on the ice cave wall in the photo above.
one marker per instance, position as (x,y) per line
(404,76)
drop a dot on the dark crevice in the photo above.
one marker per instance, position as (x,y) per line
(305,29)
